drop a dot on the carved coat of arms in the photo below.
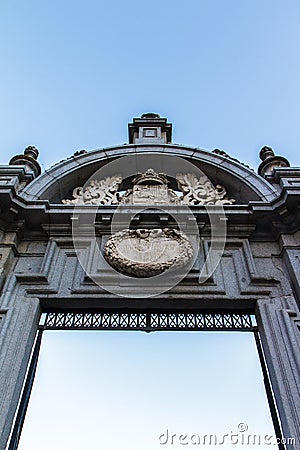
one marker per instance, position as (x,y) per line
(151,188)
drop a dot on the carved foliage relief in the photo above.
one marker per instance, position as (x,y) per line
(151,188)
(103,192)
(201,191)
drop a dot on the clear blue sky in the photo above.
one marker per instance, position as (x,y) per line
(122,390)
(74,73)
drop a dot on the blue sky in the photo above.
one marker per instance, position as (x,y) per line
(74,73)
(112,390)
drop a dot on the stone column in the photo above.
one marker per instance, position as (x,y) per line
(279,332)
(17,334)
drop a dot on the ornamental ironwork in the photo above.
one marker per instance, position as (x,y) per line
(148,321)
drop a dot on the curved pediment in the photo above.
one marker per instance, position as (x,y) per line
(241,183)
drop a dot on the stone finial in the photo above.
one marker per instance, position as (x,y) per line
(31,151)
(150,116)
(28,160)
(150,128)
(270,161)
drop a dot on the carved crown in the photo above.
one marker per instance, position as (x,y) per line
(150,177)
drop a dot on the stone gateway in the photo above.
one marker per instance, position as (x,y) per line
(150,236)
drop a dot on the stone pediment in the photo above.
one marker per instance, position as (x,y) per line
(57,183)
(151,188)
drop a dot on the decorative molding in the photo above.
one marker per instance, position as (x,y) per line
(146,253)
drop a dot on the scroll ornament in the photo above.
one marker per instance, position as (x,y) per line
(201,191)
(103,192)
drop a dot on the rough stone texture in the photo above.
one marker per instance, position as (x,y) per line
(259,271)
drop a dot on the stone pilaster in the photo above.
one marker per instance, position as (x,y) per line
(17,334)
(280,337)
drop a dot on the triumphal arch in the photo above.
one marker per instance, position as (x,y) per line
(149,236)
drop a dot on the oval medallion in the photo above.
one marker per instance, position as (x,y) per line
(146,253)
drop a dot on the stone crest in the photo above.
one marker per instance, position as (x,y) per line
(146,253)
(150,188)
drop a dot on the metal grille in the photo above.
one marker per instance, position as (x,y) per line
(147,321)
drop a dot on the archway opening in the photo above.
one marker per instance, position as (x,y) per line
(137,390)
